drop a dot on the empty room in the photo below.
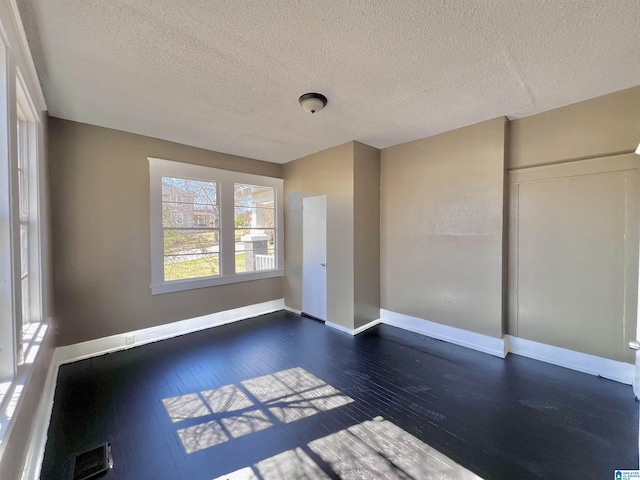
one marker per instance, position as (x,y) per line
(314,240)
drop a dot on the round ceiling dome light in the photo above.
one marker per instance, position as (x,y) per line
(312,102)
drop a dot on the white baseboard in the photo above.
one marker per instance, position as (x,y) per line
(582,362)
(465,338)
(351,331)
(500,347)
(337,326)
(367,326)
(293,310)
(121,341)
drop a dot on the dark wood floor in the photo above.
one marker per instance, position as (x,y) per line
(501,419)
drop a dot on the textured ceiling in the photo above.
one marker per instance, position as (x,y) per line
(226,75)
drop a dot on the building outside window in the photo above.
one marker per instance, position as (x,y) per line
(210,227)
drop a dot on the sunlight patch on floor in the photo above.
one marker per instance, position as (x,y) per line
(201,436)
(372,449)
(226,399)
(183,407)
(295,394)
(286,396)
(247,423)
(292,464)
(380,449)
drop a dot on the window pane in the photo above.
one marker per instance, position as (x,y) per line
(26,315)
(255,227)
(23,177)
(189,203)
(23,189)
(195,266)
(190,241)
(191,253)
(253,195)
(255,250)
(189,215)
(24,249)
(255,217)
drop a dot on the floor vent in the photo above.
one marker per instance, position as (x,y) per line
(93,462)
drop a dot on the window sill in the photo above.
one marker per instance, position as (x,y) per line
(11,391)
(182,285)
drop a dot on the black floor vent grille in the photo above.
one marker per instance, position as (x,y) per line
(93,462)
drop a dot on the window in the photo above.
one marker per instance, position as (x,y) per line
(191,249)
(21,275)
(254,217)
(211,227)
(23,238)
(23,208)
(29,223)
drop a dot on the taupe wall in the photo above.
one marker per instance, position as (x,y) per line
(442,202)
(329,172)
(99,182)
(602,126)
(366,233)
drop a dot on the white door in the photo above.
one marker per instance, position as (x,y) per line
(314,256)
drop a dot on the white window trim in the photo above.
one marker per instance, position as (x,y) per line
(225,179)
(26,113)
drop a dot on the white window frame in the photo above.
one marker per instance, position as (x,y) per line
(225,180)
(19,335)
(27,146)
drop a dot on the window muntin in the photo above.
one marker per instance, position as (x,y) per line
(211,227)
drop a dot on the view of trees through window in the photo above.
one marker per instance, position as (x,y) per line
(190,220)
(191,226)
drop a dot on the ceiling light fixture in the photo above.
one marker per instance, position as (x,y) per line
(312,102)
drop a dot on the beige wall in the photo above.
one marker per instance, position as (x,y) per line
(441,213)
(330,173)
(366,233)
(574,255)
(572,241)
(574,226)
(602,126)
(99,182)
(349,176)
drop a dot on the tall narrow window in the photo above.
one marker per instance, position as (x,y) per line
(255,228)
(190,221)
(28,220)
(23,201)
